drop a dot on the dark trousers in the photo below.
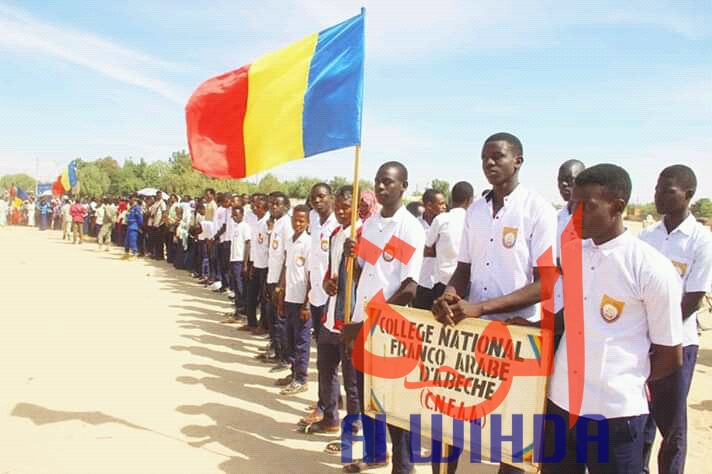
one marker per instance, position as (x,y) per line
(224,263)
(236,268)
(668,412)
(328,357)
(255,296)
(298,341)
(273,317)
(317,312)
(279,336)
(375,451)
(170,245)
(625,445)
(423,298)
(159,241)
(203,262)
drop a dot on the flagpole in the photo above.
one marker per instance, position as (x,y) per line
(354,218)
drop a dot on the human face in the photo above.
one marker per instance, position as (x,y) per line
(245,199)
(436,205)
(500,162)
(342,210)
(236,201)
(226,202)
(670,197)
(237,215)
(600,211)
(566,179)
(389,186)
(321,200)
(278,207)
(300,221)
(259,208)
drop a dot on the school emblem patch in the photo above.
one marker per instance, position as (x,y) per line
(509,236)
(275,244)
(387,257)
(325,245)
(260,238)
(611,308)
(680,267)
(299,260)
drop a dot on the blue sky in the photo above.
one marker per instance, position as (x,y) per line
(602,81)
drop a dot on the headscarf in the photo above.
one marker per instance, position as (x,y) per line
(367,198)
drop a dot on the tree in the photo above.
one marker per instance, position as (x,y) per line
(22,180)
(268,184)
(442,186)
(702,208)
(93,181)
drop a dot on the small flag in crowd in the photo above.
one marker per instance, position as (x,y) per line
(293,103)
(67,180)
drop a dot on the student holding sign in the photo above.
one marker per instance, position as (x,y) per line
(688,245)
(632,328)
(505,232)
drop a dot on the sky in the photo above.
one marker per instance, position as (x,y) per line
(625,82)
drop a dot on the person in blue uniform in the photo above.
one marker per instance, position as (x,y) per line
(134,221)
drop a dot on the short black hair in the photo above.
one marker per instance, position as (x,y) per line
(280,194)
(396,164)
(570,164)
(210,191)
(345,192)
(615,179)
(429,195)
(413,208)
(509,138)
(224,196)
(461,193)
(301,208)
(683,175)
(321,185)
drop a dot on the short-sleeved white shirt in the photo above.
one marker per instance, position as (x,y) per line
(281,231)
(295,276)
(223,216)
(563,217)
(319,255)
(239,234)
(446,234)
(427,277)
(338,239)
(259,243)
(388,273)
(502,250)
(631,299)
(206,229)
(689,248)
(251,220)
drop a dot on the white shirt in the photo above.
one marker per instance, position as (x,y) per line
(259,243)
(206,229)
(427,270)
(689,248)
(631,299)
(239,234)
(319,255)
(295,273)
(336,252)
(251,220)
(99,215)
(388,273)
(503,250)
(156,211)
(222,216)
(446,234)
(563,217)
(281,232)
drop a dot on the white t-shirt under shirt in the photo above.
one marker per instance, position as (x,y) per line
(502,250)
(388,273)
(631,299)
(427,277)
(297,259)
(281,232)
(259,243)
(319,255)
(689,248)
(239,234)
(446,234)
(336,251)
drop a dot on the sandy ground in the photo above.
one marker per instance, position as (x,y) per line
(112,366)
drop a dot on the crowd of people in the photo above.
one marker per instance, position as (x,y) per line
(476,256)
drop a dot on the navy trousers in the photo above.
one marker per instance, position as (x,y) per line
(668,412)
(255,295)
(298,341)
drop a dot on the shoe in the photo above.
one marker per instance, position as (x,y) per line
(280,367)
(259,331)
(230,320)
(360,466)
(231,297)
(245,328)
(321,428)
(271,359)
(219,290)
(265,356)
(314,417)
(217,285)
(284,381)
(294,388)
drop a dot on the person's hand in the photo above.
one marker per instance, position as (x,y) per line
(441,306)
(462,309)
(349,247)
(305,313)
(330,286)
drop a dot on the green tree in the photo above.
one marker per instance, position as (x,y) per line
(702,208)
(269,183)
(94,181)
(22,180)
(442,186)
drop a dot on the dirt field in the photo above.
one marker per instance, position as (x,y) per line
(111,366)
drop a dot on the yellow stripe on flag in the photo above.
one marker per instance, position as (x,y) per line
(65,180)
(275,105)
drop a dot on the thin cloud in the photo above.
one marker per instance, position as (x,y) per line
(22,33)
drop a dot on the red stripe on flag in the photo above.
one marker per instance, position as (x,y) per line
(214,115)
(400,249)
(367,250)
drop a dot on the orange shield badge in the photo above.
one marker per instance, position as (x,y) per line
(611,308)
(509,236)
(680,267)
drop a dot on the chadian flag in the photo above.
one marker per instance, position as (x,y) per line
(67,180)
(297,102)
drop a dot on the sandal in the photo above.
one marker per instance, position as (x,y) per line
(320,428)
(314,417)
(333,448)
